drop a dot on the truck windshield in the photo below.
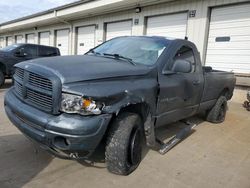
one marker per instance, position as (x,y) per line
(140,50)
(10,47)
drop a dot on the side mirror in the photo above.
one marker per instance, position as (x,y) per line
(20,53)
(182,66)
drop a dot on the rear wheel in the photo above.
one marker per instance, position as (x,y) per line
(218,113)
(2,79)
(124,144)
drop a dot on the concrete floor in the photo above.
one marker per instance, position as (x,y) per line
(213,156)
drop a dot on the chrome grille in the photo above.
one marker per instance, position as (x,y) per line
(36,90)
(39,99)
(18,88)
(19,73)
(40,82)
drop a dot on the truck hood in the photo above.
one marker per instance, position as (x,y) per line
(82,68)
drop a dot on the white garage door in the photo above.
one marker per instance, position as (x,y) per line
(1,43)
(173,25)
(9,41)
(44,38)
(30,38)
(116,29)
(62,41)
(229,39)
(19,39)
(85,39)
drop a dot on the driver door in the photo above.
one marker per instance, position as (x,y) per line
(180,92)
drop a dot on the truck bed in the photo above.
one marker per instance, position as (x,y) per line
(214,81)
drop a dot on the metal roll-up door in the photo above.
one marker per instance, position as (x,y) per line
(228,46)
(30,38)
(19,39)
(62,41)
(116,29)
(44,38)
(172,25)
(85,39)
(9,41)
(1,43)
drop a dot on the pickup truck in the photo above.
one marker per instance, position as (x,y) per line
(16,53)
(119,93)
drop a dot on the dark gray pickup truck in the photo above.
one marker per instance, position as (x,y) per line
(16,53)
(118,93)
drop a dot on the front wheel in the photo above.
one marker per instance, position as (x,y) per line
(124,144)
(218,113)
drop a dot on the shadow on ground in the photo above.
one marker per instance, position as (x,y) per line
(20,161)
(6,86)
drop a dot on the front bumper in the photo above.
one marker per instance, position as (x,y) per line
(65,135)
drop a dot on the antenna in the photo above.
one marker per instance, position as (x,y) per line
(186,38)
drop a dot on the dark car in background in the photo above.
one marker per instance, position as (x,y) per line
(16,53)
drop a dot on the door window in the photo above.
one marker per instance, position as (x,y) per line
(30,51)
(185,54)
(46,51)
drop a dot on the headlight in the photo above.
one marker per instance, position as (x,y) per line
(80,105)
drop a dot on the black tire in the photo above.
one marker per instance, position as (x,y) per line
(218,113)
(124,144)
(2,79)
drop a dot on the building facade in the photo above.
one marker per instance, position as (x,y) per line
(219,28)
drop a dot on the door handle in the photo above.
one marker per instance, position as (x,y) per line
(196,82)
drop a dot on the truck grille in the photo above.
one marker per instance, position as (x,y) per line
(40,82)
(39,99)
(34,89)
(19,73)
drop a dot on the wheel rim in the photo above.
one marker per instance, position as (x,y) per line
(222,112)
(135,147)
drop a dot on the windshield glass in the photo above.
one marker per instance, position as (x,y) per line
(141,50)
(10,47)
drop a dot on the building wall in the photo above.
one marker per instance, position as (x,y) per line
(197,27)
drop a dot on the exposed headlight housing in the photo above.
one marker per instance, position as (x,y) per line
(75,104)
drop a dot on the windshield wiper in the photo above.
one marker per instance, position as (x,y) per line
(118,56)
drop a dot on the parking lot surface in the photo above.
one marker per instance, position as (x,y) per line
(213,156)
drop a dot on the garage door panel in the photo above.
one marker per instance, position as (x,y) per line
(62,41)
(232,24)
(229,59)
(233,54)
(229,17)
(237,31)
(116,29)
(19,39)
(228,52)
(30,38)
(44,38)
(236,68)
(1,42)
(85,39)
(233,39)
(9,41)
(233,45)
(173,25)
